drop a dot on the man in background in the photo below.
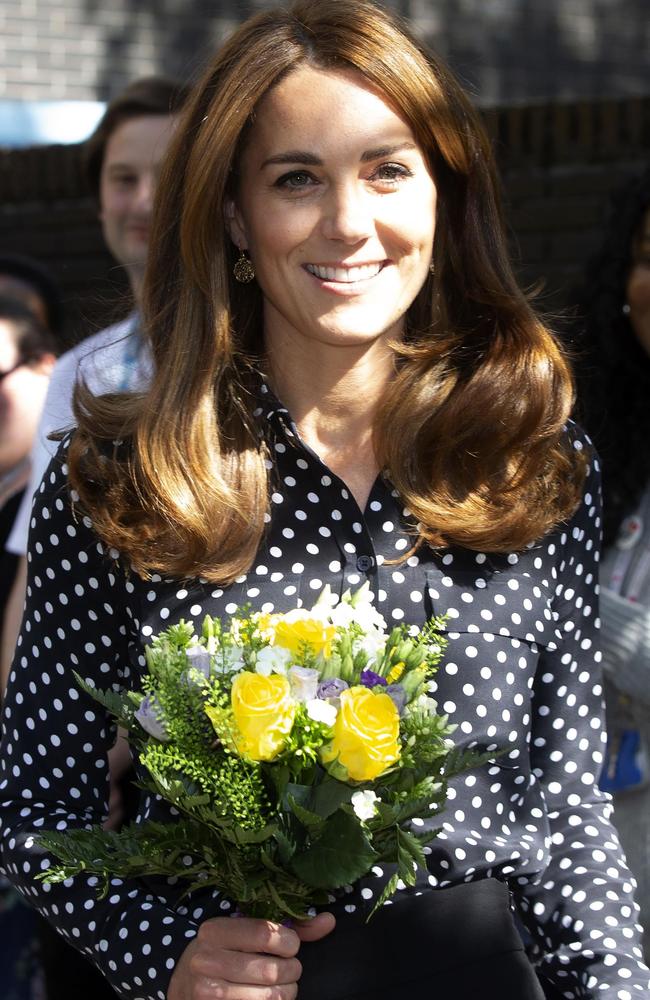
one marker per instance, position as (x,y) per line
(122,159)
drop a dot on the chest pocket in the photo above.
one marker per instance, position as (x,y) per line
(500,603)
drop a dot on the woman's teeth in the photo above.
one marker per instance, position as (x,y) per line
(346,274)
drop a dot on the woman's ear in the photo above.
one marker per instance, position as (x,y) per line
(235,225)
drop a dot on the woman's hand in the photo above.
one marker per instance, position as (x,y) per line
(244,959)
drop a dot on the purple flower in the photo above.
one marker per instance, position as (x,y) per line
(331,688)
(151,717)
(398,694)
(370,679)
(199,658)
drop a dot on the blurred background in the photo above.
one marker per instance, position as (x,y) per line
(563,84)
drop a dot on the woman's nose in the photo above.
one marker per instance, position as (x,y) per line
(348,214)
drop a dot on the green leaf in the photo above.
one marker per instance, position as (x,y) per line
(409,850)
(460,760)
(117,704)
(389,890)
(286,847)
(311,821)
(337,770)
(328,796)
(279,775)
(340,855)
(299,793)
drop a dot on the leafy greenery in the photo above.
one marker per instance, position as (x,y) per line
(275,835)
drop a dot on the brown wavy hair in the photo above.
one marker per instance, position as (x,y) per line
(471,429)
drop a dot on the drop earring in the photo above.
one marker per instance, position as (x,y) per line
(243,270)
(432,268)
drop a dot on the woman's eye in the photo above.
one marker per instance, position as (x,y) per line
(391,172)
(295,180)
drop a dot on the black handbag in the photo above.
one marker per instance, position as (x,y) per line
(458,943)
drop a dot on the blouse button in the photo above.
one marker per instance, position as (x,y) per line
(365,563)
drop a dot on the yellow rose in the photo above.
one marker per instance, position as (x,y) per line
(366,734)
(264,711)
(298,627)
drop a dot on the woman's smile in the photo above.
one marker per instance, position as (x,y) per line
(352,277)
(337,212)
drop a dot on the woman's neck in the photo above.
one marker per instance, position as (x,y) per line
(332,394)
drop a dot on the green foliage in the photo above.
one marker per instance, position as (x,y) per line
(118,704)
(304,743)
(235,788)
(273,836)
(341,853)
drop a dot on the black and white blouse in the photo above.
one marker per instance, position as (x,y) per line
(521,672)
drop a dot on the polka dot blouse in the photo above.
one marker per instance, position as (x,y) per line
(521,674)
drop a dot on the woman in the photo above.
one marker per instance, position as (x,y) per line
(327,235)
(27,355)
(615,318)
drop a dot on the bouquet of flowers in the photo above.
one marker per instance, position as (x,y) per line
(295,750)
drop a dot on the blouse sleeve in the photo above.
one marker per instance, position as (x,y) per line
(581,913)
(53,766)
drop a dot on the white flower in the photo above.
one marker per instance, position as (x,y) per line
(304,683)
(372,643)
(326,600)
(364,614)
(424,703)
(363,804)
(272,660)
(321,711)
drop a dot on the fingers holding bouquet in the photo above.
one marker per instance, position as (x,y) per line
(246,959)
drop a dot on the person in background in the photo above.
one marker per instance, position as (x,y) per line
(27,356)
(28,281)
(614,320)
(122,160)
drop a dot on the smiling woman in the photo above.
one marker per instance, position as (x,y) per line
(337,212)
(348,385)
(328,138)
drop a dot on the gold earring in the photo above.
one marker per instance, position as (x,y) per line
(243,269)
(432,268)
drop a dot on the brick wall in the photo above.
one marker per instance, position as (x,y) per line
(558,161)
(505,50)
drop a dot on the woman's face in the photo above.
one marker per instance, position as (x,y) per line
(22,394)
(336,207)
(638,285)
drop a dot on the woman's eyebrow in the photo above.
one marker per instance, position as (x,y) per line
(382,151)
(310,159)
(294,156)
